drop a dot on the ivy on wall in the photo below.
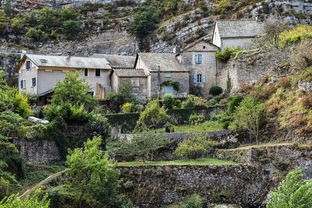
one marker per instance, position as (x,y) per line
(175,85)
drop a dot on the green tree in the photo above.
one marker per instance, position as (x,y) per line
(293,192)
(35,201)
(250,114)
(143,146)
(144,21)
(122,96)
(36,34)
(72,90)
(71,29)
(153,116)
(93,176)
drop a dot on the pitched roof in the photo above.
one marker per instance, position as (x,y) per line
(165,61)
(130,72)
(69,62)
(239,28)
(117,61)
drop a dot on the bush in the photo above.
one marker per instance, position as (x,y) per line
(251,115)
(193,201)
(123,95)
(226,54)
(36,34)
(71,114)
(223,6)
(171,102)
(233,104)
(195,147)
(284,82)
(36,201)
(215,90)
(127,107)
(143,146)
(306,100)
(196,119)
(153,116)
(294,191)
(71,29)
(144,21)
(194,102)
(299,32)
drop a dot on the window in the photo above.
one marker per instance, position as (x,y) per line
(33,82)
(97,72)
(168,75)
(23,84)
(169,90)
(198,59)
(86,72)
(28,65)
(199,78)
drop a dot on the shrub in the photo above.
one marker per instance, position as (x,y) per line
(223,6)
(245,87)
(299,32)
(195,147)
(36,201)
(143,146)
(193,201)
(251,114)
(233,103)
(193,102)
(306,100)
(127,107)
(226,54)
(171,102)
(284,82)
(71,29)
(36,34)
(144,21)
(123,95)
(215,90)
(153,116)
(294,191)
(196,119)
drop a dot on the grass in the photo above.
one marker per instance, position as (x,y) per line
(207,126)
(196,162)
(38,172)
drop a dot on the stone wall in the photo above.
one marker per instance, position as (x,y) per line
(273,159)
(250,68)
(37,151)
(154,186)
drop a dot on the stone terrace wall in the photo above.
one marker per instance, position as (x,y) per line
(162,185)
(37,151)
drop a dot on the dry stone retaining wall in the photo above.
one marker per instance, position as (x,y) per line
(37,151)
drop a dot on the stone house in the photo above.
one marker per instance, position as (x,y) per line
(200,60)
(123,71)
(38,74)
(236,33)
(164,70)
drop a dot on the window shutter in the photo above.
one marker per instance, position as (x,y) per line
(200,58)
(195,77)
(203,78)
